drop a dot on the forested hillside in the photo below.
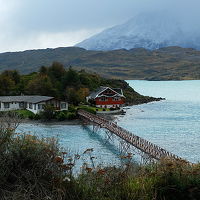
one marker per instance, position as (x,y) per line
(69,84)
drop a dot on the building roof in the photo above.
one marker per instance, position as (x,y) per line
(118,90)
(95,93)
(29,99)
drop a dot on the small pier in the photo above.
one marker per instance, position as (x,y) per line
(146,148)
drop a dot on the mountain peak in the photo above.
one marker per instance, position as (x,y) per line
(152,30)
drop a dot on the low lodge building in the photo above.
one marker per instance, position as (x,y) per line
(33,103)
(106,97)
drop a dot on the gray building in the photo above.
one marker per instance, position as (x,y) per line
(33,103)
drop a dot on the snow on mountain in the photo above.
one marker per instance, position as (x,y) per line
(147,30)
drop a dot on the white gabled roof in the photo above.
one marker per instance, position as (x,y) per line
(95,94)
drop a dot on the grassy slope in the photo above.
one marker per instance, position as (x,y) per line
(163,64)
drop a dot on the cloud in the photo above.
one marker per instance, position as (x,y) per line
(73,14)
(26,24)
(42,40)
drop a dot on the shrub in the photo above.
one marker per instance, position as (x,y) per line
(24,114)
(71,116)
(37,117)
(61,116)
(29,169)
(72,108)
(31,116)
(88,109)
(48,113)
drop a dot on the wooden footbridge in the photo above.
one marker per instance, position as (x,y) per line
(150,150)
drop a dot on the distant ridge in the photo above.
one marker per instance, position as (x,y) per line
(169,63)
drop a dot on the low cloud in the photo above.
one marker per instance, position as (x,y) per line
(41,40)
(28,24)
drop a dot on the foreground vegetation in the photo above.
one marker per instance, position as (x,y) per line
(58,82)
(37,168)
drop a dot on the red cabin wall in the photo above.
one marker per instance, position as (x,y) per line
(109,101)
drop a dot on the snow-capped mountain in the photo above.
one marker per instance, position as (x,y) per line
(147,30)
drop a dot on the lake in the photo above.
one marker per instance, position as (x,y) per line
(173,124)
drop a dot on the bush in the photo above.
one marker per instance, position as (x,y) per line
(31,116)
(48,113)
(37,117)
(88,109)
(29,169)
(71,116)
(61,116)
(72,109)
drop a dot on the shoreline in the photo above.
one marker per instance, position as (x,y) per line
(65,122)
(52,122)
(78,121)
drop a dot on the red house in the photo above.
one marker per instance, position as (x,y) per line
(106,97)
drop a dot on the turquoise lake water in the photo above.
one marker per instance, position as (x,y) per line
(173,124)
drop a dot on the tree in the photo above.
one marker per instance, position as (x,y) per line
(41,85)
(73,96)
(83,93)
(71,78)
(13,75)
(56,71)
(6,85)
(43,70)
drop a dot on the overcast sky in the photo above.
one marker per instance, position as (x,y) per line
(33,24)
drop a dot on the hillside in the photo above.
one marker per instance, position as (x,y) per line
(169,63)
(71,85)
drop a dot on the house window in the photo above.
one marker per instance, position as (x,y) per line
(109,92)
(6,105)
(30,105)
(116,99)
(21,105)
(103,99)
(34,106)
(40,106)
(63,105)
